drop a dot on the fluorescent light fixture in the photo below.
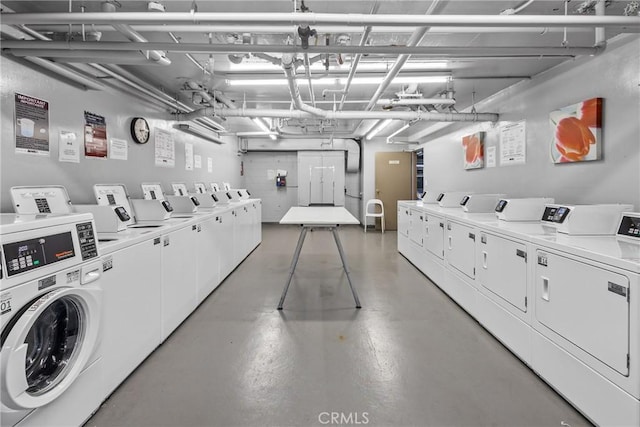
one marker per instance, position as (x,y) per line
(362,66)
(402,129)
(198,131)
(378,128)
(262,125)
(341,81)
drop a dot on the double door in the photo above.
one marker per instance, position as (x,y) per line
(321,178)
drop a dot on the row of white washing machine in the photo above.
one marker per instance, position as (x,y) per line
(82,309)
(561,292)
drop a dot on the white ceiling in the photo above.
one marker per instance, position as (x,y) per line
(477,77)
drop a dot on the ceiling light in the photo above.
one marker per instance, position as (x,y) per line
(381,66)
(262,125)
(402,129)
(341,81)
(378,128)
(197,131)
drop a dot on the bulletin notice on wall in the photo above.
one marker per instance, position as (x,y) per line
(95,136)
(68,147)
(513,144)
(188,156)
(165,150)
(31,125)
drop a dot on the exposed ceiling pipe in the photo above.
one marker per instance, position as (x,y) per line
(284,29)
(61,70)
(310,18)
(67,73)
(289,71)
(156,56)
(344,115)
(414,40)
(189,56)
(356,59)
(601,41)
(307,69)
(85,56)
(417,101)
(426,51)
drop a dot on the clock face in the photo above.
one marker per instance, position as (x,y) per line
(140,130)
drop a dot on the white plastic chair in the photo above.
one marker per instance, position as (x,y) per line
(372,213)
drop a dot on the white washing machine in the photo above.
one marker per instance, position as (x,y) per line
(50,358)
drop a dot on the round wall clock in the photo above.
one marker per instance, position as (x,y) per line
(140,131)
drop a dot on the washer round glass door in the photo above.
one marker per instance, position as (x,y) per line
(48,346)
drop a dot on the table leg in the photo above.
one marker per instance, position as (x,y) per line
(344,264)
(294,262)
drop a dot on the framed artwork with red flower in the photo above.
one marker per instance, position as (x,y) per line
(473,146)
(577,132)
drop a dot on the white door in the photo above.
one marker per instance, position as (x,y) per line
(461,248)
(208,258)
(416,226)
(586,304)
(503,269)
(131,283)
(48,346)
(179,293)
(403,220)
(434,235)
(227,239)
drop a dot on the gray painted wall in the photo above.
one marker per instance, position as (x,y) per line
(614,76)
(67,106)
(276,201)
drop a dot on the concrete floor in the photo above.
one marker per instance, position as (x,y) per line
(409,357)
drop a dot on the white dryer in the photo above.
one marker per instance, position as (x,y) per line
(50,359)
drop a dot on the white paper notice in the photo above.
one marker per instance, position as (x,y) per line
(188,156)
(165,153)
(197,161)
(513,144)
(491,157)
(118,149)
(209,165)
(68,147)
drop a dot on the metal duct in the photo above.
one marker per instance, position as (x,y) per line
(427,51)
(344,115)
(310,18)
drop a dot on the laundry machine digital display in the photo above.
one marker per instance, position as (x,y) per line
(464,200)
(33,253)
(440,197)
(629,226)
(556,214)
(501,205)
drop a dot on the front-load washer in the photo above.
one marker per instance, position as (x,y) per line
(50,356)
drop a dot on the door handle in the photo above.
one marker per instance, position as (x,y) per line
(545,288)
(449,242)
(484,259)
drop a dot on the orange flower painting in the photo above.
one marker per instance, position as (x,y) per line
(473,146)
(577,132)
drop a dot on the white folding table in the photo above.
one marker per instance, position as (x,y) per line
(320,217)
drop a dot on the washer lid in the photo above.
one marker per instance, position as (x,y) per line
(47,346)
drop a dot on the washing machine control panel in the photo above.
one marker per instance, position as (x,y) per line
(629,226)
(87,240)
(30,254)
(555,214)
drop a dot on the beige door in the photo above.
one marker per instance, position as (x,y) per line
(395,180)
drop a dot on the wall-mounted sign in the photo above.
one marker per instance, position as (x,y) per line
(95,136)
(68,147)
(119,149)
(473,146)
(31,125)
(165,149)
(513,144)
